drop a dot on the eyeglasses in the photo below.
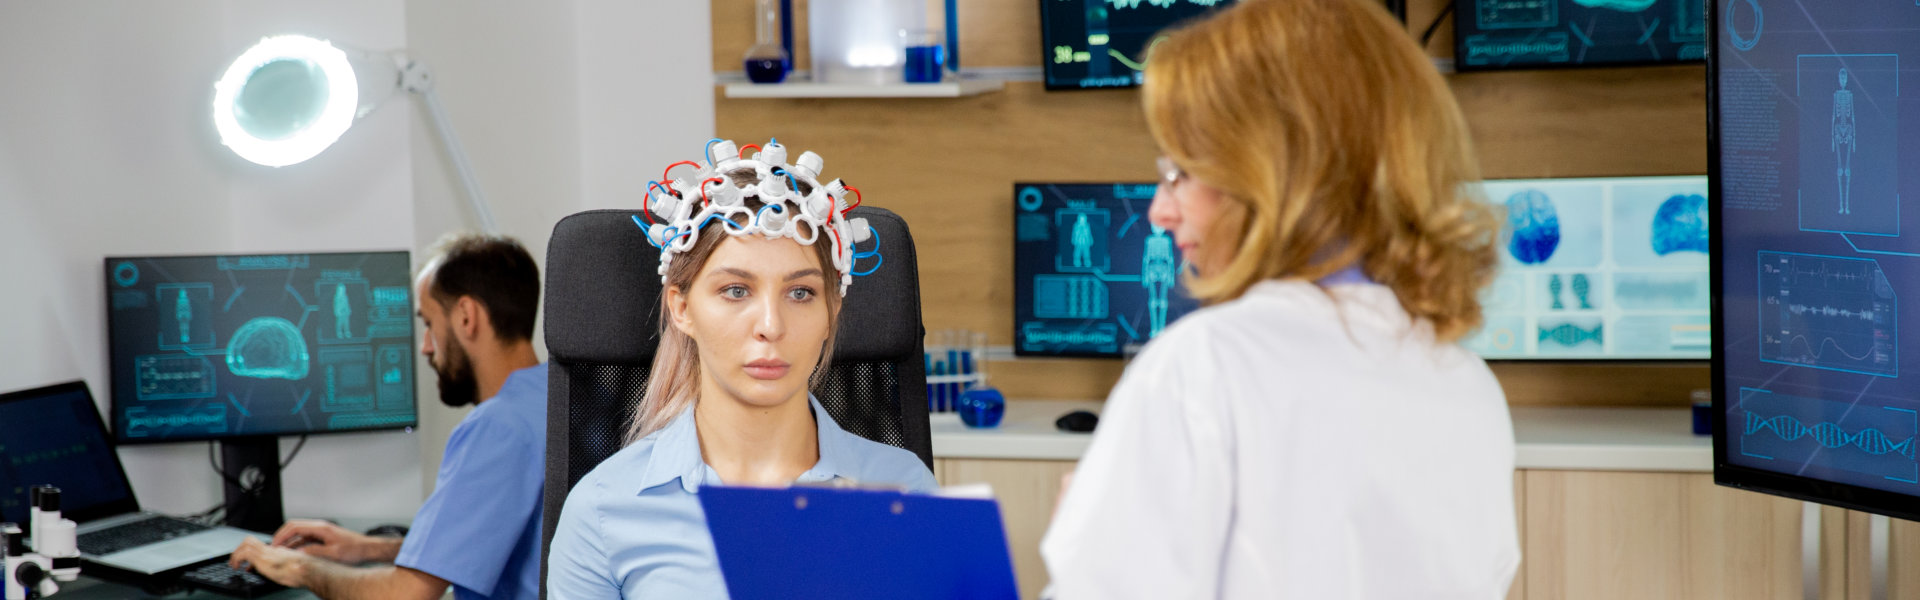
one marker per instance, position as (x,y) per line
(1170,173)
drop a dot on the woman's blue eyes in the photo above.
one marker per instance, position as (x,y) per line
(737,292)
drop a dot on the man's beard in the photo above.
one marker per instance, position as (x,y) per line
(458,387)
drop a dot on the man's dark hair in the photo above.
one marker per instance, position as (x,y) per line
(495,270)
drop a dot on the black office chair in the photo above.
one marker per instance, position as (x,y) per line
(603,322)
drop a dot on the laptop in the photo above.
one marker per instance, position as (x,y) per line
(54,435)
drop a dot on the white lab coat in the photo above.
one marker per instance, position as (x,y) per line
(1288,445)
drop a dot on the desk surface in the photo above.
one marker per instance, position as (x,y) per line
(1614,439)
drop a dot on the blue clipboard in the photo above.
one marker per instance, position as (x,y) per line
(806,542)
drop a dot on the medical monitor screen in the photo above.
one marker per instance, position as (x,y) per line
(204,347)
(1103,43)
(1526,34)
(1612,268)
(1091,276)
(1812,119)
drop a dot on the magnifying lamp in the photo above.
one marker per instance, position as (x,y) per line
(289,97)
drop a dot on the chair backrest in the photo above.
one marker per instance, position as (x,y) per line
(603,323)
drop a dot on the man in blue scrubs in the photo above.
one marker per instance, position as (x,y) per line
(480,530)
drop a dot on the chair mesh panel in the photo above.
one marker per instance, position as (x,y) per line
(601,401)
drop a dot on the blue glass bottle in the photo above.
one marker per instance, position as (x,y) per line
(982,407)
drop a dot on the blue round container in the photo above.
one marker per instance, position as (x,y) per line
(982,407)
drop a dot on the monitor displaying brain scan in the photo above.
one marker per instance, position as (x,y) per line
(204,347)
(1606,268)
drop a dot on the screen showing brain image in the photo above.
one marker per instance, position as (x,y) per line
(205,347)
(1612,268)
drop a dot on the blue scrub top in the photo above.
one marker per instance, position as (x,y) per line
(632,527)
(480,530)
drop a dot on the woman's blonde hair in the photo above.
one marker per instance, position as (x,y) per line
(674,382)
(1335,143)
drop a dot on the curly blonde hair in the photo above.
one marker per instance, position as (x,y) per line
(1335,144)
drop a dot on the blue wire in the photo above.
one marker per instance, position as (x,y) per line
(728,223)
(874,253)
(646,231)
(876,266)
(790,180)
(757,215)
(708,153)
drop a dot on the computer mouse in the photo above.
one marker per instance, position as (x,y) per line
(398,531)
(1078,421)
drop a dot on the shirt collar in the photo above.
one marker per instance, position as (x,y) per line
(676,453)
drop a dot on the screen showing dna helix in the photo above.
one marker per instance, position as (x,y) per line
(1601,268)
(1515,34)
(1104,43)
(1816,395)
(204,347)
(1091,276)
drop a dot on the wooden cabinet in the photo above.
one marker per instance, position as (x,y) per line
(1584,534)
(1607,534)
(1026,490)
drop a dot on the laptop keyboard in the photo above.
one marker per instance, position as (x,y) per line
(138,533)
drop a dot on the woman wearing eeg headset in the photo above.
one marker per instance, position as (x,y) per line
(1316,431)
(756,255)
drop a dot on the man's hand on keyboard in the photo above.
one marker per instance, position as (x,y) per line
(284,566)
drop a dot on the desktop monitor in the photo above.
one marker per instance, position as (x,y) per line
(244,348)
(1088,44)
(1531,34)
(1814,393)
(205,347)
(1598,269)
(1091,276)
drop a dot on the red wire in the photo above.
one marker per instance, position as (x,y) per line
(857,199)
(646,207)
(663,174)
(703,190)
(836,241)
(743,149)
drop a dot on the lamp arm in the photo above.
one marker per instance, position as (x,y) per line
(418,79)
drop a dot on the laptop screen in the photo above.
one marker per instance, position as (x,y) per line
(53,435)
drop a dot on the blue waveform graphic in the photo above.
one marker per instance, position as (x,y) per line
(1830,435)
(1126,4)
(1568,334)
(1828,312)
(177,420)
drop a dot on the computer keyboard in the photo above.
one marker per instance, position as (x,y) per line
(219,578)
(138,533)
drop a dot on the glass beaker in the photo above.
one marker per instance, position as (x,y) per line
(767,60)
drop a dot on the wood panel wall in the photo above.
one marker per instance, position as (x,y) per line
(948,167)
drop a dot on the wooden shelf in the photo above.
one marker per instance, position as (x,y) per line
(808,89)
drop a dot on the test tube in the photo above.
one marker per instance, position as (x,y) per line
(953,368)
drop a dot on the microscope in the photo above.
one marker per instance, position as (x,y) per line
(53,554)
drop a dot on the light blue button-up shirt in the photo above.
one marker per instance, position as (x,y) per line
(632,527)
(480,530)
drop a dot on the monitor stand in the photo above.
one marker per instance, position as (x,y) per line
(254,461)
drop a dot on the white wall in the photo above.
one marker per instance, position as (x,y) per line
(106,148)
(562,106)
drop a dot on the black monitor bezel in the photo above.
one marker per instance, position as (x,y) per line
(1726,473)
(131,503)
(1461,66)
(114,401)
